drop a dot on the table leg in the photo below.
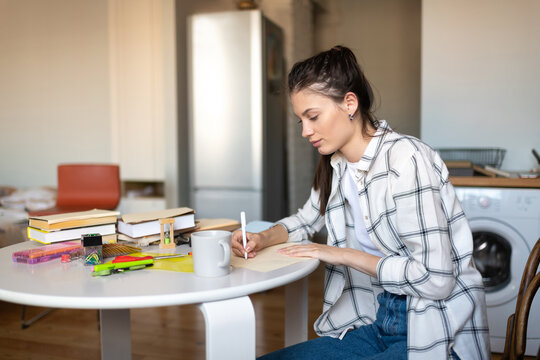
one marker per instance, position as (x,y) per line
(296,312)
(230,329)
(115,334)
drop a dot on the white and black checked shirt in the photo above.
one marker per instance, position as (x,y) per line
(413,216)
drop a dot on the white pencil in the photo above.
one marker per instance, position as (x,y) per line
(244,240)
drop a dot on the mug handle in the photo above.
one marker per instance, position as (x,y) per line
(227,253)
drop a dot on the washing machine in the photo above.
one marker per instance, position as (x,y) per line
(506,224)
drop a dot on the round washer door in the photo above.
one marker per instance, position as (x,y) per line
(500,254)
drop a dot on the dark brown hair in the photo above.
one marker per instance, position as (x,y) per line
(333,73)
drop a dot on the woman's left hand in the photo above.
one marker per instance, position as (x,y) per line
(329,254)
(357,259)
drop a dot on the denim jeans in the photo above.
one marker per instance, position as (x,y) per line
(385,339)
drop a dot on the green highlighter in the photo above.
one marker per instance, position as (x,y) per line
(127,263)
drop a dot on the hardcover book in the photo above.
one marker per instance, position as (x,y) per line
(47,237)
(73,219)
(144,224)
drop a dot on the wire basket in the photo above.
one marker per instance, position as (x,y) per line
(479,156)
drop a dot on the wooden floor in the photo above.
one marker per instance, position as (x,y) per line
(175,332)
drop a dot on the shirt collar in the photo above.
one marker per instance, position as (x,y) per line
(339,163)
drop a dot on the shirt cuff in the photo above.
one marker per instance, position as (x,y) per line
(390,272)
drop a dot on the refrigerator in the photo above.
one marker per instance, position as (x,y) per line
(237,112)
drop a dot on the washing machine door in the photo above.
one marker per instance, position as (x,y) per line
(500,254)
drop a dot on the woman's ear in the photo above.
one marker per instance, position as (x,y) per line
(351,103)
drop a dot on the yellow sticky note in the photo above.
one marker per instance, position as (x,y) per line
(181,264)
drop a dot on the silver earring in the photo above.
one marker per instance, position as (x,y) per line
(351,117)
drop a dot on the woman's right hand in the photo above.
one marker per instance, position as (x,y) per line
(258,241)
(254,243)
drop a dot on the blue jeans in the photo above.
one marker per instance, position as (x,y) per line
(385,339)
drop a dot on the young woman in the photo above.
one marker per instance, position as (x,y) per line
(400,278)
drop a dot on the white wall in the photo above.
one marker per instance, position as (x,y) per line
(54,88)
(481,76)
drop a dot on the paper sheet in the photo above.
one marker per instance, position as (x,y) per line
(267,259)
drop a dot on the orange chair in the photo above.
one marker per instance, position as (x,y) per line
(85,187)
(516,330)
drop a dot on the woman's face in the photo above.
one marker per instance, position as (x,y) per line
(325,123)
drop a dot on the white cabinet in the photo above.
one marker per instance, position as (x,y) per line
(143,90)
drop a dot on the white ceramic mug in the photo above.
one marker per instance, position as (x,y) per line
(211,252)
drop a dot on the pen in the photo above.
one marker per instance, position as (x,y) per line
(243,222)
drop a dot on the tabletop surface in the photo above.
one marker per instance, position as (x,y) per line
(485,181)
(71,285)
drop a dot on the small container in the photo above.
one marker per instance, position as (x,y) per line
(47,252)
(92,249)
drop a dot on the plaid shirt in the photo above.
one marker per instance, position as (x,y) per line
(413,216)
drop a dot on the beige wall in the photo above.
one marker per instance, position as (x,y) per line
(54,88)
(385,37)
(481,76)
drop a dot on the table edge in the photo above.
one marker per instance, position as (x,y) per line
(131,302)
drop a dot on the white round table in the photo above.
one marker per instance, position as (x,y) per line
(227,309)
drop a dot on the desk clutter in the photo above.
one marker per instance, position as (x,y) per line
(109,242)
(141,229)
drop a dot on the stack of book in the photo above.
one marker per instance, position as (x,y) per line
(70,226)
(144,228)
